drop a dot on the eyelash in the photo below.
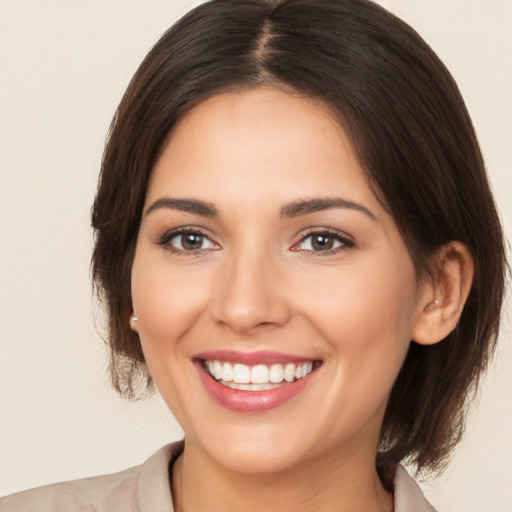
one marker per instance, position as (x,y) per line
(345,242)
(165,239)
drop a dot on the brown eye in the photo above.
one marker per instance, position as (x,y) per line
(189,241)
(323,242)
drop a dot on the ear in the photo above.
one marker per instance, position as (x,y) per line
(444,294)
(134,325)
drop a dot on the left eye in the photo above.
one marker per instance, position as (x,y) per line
(319,242)
(191,241)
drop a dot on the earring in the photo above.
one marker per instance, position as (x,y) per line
(134,326)
(429,333)
(437,302)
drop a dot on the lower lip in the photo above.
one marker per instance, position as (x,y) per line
(250,401)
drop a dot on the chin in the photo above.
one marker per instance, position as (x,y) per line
(255,456)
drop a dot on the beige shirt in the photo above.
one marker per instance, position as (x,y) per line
(146,488)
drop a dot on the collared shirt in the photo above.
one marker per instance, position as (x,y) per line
(145,488)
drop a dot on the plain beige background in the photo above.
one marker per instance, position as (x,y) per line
(64,66)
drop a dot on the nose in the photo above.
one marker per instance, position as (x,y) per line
(250,296)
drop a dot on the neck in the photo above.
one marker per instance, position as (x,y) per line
(352,483)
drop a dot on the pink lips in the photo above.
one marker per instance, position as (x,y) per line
(250,401)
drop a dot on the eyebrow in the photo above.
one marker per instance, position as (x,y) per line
(316,204)
(185,205)
(289,210)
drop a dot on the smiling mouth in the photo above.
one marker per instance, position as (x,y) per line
(258,377)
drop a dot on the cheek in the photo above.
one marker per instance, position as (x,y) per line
(166,302)
(367,317)
(371,297)
(367,323)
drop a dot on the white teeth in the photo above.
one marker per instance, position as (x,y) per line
(217,370)
(241,374)
(289,372)
(259,374)
(257,377)
(227,372)
(249,387)
(276,373)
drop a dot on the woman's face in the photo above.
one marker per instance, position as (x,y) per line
(264,258)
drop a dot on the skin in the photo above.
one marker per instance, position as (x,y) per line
(257,283)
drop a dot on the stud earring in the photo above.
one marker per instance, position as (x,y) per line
(429,333)
(134,326)
(437,302)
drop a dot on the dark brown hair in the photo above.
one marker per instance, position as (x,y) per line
(410,128)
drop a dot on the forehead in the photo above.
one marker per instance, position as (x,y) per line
(259,144)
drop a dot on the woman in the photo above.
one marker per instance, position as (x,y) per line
(291,193)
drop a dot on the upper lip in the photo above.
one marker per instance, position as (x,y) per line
(252,358)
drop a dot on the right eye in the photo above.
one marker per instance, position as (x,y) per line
(187,241)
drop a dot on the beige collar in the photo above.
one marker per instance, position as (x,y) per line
(153,484)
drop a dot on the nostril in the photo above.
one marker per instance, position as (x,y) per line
(245,320)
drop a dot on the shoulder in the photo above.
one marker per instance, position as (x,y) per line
(141,488)
(408,495)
